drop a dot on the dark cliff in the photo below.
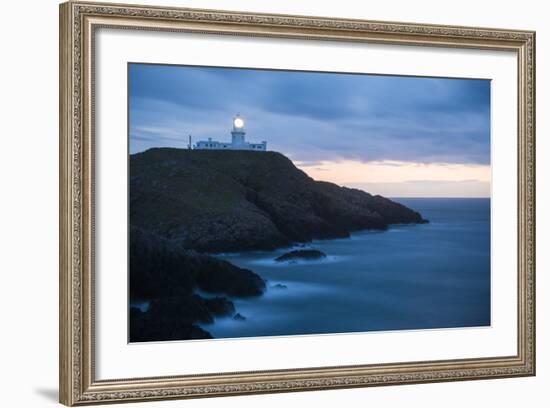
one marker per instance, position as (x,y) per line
(216,201)
(168,276)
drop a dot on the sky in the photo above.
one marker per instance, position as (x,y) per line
(397,136)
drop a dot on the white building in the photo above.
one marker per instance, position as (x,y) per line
(237,140)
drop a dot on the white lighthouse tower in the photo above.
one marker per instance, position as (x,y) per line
(238,132)
(237,140)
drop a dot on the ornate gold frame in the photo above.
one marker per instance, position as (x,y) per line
(78,22)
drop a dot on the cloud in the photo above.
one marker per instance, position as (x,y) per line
(349,172)
(314,117)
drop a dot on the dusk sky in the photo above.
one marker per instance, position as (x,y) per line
(388,135)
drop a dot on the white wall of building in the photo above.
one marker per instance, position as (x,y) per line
(238,140)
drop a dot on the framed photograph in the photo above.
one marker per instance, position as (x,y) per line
(256,203)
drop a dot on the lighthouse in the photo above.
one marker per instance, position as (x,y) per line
(238,141)
(238,132)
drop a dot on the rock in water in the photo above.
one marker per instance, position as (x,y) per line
(239,317)
(177,318)
(301,254)
(222,201)
(170,319)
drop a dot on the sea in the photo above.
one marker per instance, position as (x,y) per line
(408,277)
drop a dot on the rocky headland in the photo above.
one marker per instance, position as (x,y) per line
(223,201)
(188,204)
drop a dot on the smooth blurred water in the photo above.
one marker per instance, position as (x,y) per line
(435,275)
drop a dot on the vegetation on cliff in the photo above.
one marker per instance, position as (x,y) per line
(222,201)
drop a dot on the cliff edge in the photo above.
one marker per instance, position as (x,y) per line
(223,201)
